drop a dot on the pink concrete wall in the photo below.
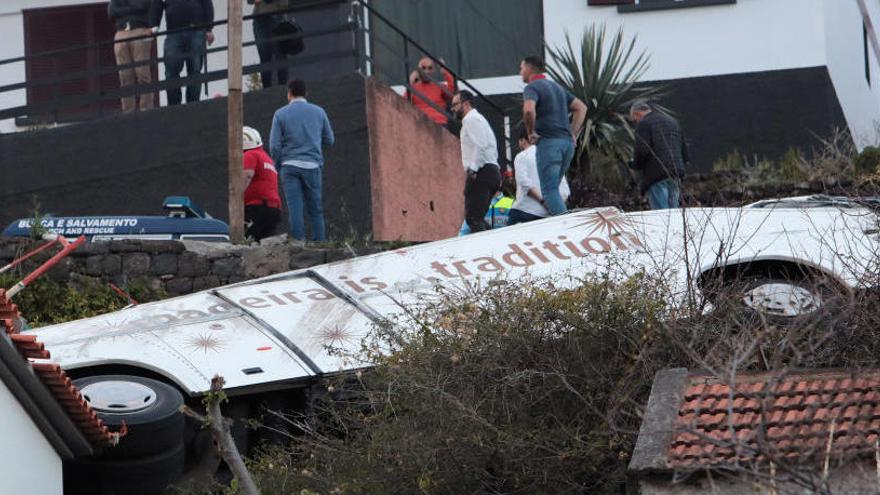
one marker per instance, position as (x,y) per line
(415,167)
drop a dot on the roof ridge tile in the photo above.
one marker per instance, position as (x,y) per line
(55,379)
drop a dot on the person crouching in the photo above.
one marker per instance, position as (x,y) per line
(262,203)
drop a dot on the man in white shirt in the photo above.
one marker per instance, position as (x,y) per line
(479,156)
(529,204)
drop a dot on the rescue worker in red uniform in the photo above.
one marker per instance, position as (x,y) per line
(262,204)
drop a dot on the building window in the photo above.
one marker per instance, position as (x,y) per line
(645,5)
(865,51)
(57,28)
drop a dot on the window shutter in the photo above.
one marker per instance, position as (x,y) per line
(56,28)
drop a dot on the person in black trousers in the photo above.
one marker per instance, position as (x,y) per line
(479,156)
(267,15)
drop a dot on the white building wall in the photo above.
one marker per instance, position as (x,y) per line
(748,36)
(12,27)
(846,64)
(30,465)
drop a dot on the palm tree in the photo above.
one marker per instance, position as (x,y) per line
(606,79)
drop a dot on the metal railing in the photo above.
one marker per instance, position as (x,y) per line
(364,13)
(52,109)
(86,105)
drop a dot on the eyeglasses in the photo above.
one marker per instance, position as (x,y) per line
(426,67)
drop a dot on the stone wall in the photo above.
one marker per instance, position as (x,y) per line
(180,267)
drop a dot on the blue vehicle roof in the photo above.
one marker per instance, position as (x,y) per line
(126,227)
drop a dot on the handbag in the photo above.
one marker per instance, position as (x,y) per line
(291,32)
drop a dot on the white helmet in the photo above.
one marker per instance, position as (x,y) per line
(252,138)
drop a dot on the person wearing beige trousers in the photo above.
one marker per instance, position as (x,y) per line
(133,43)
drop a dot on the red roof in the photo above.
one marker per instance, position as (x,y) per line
(800,414)
(55,379)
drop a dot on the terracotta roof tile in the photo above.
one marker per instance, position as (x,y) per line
(791,415)
(55,379)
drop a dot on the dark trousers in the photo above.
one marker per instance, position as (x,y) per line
(269,51)
(478,192)
(518,216)
(261,221)
(186,48)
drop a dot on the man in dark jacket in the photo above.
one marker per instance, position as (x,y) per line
(189,22)
(660,154)
(132,46)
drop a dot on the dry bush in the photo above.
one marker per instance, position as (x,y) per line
(831,161)
(526,387)
(531,389)
(507,389)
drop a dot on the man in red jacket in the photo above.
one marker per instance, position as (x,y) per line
(426,90)
(262,204)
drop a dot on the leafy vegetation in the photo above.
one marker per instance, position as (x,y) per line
(604,73)
(868,161)
(46,301)
(833,161)
(833,166)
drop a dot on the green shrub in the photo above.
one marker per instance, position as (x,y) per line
(868,161)
(731,163)
(604,72)
(47,302)
(791,167)
(606,173)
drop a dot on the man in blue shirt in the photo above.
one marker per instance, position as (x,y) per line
(546,106)
(298,131)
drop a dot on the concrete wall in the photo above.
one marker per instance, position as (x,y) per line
(859,98)
(30,464)
(758,114)
(417,177)
(127,164)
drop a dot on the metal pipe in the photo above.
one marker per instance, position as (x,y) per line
(68,248)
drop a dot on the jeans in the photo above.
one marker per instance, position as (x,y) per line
(519,216)
(269,51)
(184,48)
(664,194)
(302,187)
(554,157)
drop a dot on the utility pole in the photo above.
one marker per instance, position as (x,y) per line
(235,123)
